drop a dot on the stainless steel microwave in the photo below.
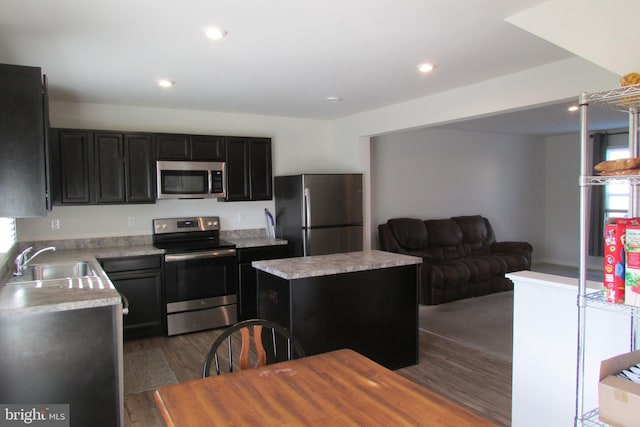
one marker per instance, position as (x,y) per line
(190,180)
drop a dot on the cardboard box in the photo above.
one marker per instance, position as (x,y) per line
(619,399)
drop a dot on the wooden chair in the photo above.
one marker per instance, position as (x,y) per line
(271,343)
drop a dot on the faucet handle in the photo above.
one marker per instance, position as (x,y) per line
(20,261)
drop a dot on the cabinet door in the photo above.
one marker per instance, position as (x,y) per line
(109,167)
(247,281)
(143,291)
(173,146)
(210,148)
(260,172)
(238,187)
(71,162)
(22,137)
(140,168)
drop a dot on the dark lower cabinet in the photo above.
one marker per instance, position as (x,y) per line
(247,282)
(139,279)
(374,312)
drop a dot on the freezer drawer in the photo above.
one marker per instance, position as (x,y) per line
(332,240)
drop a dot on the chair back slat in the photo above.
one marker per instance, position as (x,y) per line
(248,344)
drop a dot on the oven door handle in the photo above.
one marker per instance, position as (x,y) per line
(200,255)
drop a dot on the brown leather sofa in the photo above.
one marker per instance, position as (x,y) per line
(461,258)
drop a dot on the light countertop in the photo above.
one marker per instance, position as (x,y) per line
(89,291)
(324,265)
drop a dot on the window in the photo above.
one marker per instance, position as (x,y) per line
(7,234)
(616,196)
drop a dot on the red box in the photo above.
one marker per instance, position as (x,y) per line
(614,257)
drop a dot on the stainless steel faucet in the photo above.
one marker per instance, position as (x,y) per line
(22,261)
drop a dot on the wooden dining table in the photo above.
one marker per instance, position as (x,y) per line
(340,388)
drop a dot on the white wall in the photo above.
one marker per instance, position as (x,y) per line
(439,173)
(546,84)
(562,194)
(297,145)
(303,145)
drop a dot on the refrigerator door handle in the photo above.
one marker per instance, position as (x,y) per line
(307,207)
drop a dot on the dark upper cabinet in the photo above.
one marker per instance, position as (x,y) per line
(71,180)
(190,147)
(140,172)
(96,167)
(109,167)
(23,137)
(249,175)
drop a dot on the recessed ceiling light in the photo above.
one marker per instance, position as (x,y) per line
(573,108)
(215,33)
(165,83)
(333,99)
(426,67)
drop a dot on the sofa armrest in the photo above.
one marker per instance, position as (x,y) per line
(387,241)
(523,248)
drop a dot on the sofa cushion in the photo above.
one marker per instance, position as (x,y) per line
(477,234)
(410,233)
(484,267)
(449,275)
(444,239)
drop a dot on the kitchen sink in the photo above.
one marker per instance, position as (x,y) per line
(54,271)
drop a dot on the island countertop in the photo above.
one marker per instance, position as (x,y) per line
(324,265)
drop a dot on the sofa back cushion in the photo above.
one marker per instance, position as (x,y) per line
(410,233)
(477,234)
(445,238)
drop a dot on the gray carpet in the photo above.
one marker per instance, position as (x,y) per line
(484,323)
(146,370)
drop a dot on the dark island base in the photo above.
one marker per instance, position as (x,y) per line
(373,312)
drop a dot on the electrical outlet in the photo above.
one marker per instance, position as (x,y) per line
(131,221)
(55,224)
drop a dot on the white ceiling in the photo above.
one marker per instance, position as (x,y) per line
(280,57)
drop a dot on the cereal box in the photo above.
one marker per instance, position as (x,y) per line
(614,257)
(632,266)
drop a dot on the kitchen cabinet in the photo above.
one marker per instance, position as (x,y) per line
(71,155)
(247,282)
(71,357)
(23,136)
(190,147)
(249,173)
(139,279)
(96,167)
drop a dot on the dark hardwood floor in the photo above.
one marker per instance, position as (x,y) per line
(472,379)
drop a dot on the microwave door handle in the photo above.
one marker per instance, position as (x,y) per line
(210,175)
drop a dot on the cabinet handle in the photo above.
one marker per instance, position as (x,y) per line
(125,305)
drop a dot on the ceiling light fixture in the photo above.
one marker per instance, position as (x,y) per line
(215,33)
(573,108)
(333,99)
(426,67)
(166,83)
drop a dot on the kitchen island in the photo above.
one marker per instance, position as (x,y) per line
(366,301)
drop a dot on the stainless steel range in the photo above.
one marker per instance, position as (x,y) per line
(200,274)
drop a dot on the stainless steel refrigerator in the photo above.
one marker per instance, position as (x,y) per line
(319,213)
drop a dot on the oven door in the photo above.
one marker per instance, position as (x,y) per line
(200,290)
